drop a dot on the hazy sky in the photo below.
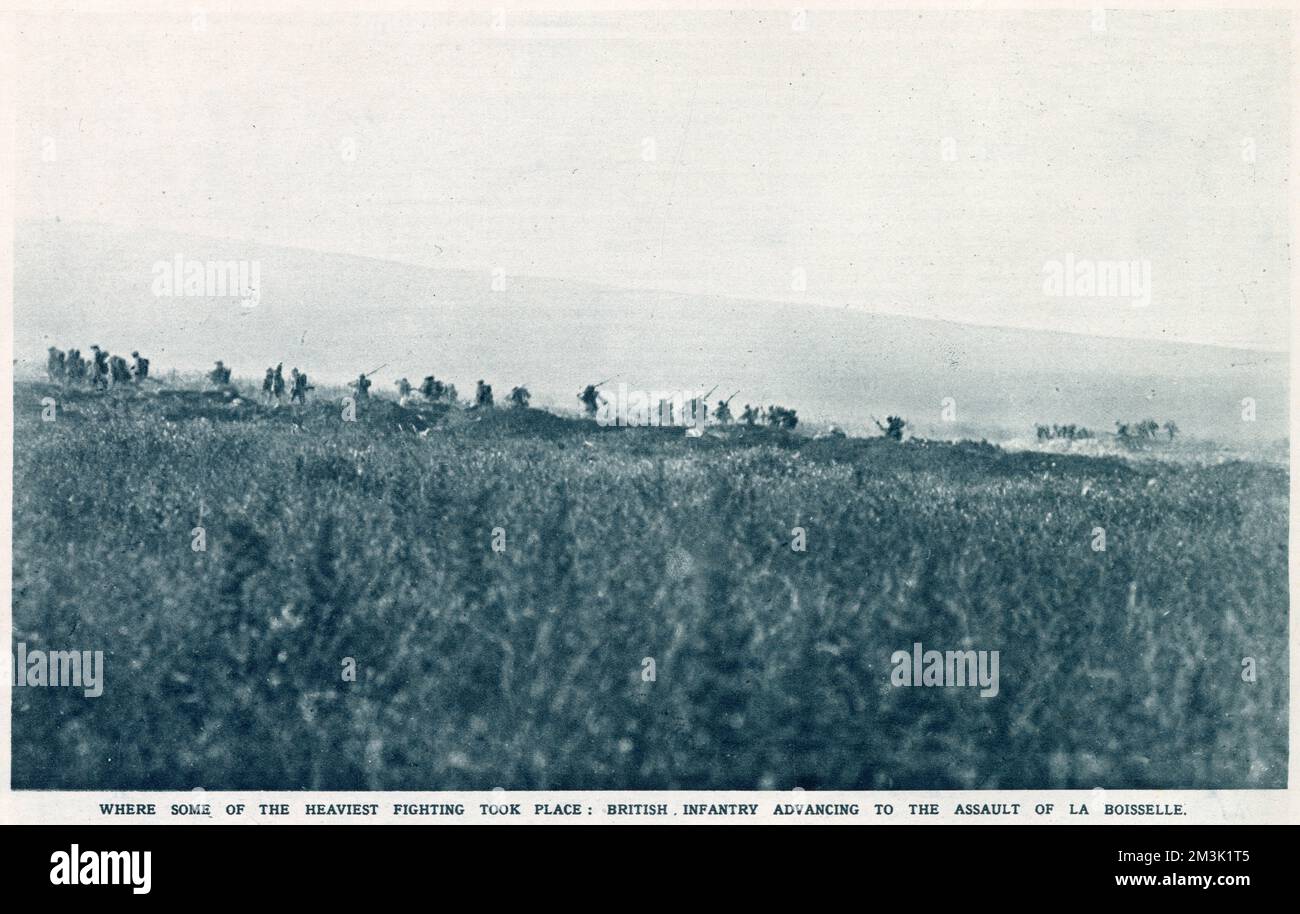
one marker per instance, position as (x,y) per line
(920,163)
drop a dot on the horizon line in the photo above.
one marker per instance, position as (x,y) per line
(825,305)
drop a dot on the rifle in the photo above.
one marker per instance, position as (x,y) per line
(373,370)
(705,398)
(593,387)
(729,399)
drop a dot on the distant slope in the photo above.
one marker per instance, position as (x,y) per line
(335,315)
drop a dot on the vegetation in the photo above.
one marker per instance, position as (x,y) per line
(527,667)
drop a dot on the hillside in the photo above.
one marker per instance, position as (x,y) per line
(335,315)
(501,578)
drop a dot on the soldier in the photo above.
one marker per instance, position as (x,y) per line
(56,364)
(139,367)
(277,383)
(403,390)
(699,408)
(482,394)
(590,398)
(113,371)
(723,412)
(362,387)
(519,397)
(782,417)
(894,430)
(268,385)
(220,374)
(298,392)
(431,388)
(749,415)
(76,367)
(99,369)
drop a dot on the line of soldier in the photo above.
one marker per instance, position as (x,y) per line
(104,368)
(273,385)
(591,398)
(100,371)
(436,391)
(440,392)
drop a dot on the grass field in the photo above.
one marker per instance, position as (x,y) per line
(524,667)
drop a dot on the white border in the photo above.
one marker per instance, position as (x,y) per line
(242,807)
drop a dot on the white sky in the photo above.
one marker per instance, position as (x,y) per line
(776,150)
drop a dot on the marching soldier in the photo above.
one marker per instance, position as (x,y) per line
(590,398)
(56,364)
(699,408)
(139,367)
(76,367)
(299,388)
(362,387)
(268,385)
(121,371)
(99,368)
(894,430)
(723,412)
(483,394)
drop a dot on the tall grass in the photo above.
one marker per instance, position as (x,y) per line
(525,668)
